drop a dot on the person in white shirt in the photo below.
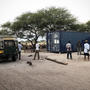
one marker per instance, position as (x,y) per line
(37,51)
(69,50)
(19,49)
(86,49)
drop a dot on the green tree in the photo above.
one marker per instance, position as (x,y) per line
(88,26)
(82,28)
(6,28)
(33,25)
(57,19)
(27,26)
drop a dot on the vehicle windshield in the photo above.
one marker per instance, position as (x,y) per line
(1,44)
(9,43)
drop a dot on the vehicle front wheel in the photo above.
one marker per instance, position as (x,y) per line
(14,58)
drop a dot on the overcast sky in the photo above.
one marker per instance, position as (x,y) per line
(10,9)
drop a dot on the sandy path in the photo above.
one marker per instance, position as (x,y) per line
(45,75)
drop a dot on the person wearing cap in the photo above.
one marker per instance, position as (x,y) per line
(86,49)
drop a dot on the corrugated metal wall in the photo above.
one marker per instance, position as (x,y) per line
(56,41)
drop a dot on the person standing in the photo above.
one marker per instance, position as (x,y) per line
(69,50)
(86,49)
(19,48)
(79,47)
(37,51)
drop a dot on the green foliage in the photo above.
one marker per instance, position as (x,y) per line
(6,29)
(3,32)
(6,25)
(88,26)
(57,19)
(33,25)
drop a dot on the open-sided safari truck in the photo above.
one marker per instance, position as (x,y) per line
(8,48)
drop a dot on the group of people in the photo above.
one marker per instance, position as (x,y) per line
(36,50)
(79,49)
(68,47)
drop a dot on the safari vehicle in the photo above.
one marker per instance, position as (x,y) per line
(8,47)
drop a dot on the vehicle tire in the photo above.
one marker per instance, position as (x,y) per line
(14,58)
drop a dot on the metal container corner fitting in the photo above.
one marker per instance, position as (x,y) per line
(56,41)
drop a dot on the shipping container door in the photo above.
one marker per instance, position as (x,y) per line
(48,41)
(55,42)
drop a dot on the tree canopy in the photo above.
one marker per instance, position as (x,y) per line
(33,25)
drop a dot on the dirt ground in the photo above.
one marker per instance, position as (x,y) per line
(44,74)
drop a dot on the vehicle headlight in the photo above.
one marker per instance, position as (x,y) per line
(1,51)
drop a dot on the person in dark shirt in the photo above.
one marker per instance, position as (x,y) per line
(79,47)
